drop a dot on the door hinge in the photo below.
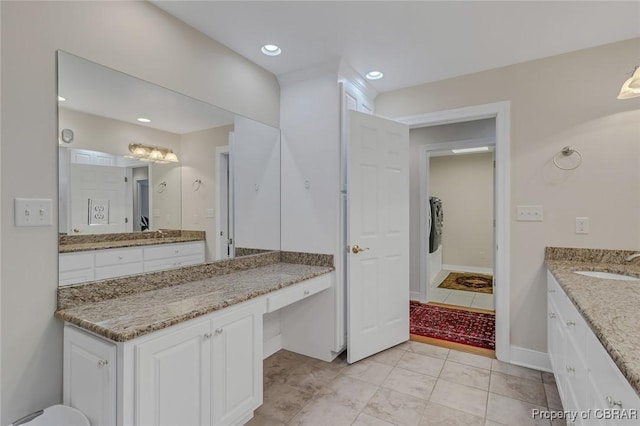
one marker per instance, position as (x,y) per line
(126,179)
(126,220)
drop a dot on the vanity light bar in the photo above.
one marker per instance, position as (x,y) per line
(467,150)
(154,154)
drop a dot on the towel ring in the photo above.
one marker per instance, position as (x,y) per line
(566,152)
(196,184)
(162,186)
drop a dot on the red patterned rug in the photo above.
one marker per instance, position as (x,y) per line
(454,325)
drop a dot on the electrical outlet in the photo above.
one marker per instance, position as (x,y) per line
(33,212)
(529,213)
(210,213)
(582,225)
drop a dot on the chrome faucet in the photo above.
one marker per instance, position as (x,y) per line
(631,257)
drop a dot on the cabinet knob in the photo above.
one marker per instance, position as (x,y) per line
(306,292)
(219,331)
(570,369)
(613,403)
(177,251)
(552,315)
(119,257)
(103,363)
(570,323)
(207,336)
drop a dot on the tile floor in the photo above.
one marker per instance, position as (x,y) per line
(468,299)
(411,384)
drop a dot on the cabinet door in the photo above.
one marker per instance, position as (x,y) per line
(173,378)
(90,376)
(237,364)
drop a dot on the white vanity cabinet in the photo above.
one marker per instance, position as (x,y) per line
(76,268)
(173,378)
(206,371)
(84,266)
(117,262)
(90,376)
(586,376)
(166,256)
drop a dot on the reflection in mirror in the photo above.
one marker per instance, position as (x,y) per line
(135,157)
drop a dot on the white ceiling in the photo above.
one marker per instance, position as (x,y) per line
(102,91)
(411,42)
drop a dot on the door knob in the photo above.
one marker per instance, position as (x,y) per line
(357,249)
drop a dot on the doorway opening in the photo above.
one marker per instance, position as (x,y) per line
(224,203)
(498,113)
(141,210)
(460,191)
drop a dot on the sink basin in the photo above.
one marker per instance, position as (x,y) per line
(607,275)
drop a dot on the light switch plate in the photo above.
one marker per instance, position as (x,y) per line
(529,213)
(33,212)
(582,225)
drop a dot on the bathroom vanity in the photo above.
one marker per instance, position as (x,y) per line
(185,354)
(593,338)
(85,258)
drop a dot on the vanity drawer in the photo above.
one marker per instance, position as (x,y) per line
(75,261)
(177,262)
(75,277)
(556,293)
(118,256)
(292,294)
(120,270)
(164,251)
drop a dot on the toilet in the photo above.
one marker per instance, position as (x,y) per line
(56,415)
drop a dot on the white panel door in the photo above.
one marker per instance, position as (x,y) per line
(88,182)
(173,378)
(237,364)
(378,223)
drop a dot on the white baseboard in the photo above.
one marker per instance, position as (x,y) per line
(414,295)
(530,359)
(271,346)
(471,269)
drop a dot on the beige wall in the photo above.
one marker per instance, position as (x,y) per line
(198,162)
(563,100)
(464,183)
(133,37)
(112,136)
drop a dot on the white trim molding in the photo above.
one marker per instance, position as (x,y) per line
(469,269)
(502,265)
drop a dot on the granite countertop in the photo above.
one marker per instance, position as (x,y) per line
(125,318)
(87,242)
(101,245)
(609,307)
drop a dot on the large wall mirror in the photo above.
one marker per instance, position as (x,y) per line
(148,159)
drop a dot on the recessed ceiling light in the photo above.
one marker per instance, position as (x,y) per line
(374,75)
(61,99)
(271,50)
(144,120)
(467,150)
